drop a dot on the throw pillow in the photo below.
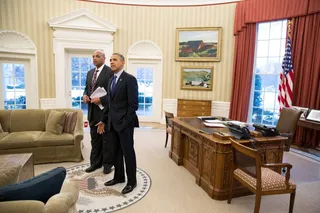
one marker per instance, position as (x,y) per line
(9,175)
(70,123)
(1,130)
(55,122)
(40,187)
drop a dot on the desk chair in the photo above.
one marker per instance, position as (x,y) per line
(287,124)
(168,116)
(258,177)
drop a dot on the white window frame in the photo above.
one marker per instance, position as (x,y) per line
(280,57)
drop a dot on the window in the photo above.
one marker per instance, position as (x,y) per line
(13,89)
(145,85)
(79,69)
(270,49)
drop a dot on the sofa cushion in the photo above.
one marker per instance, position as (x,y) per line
(55,122)
(3,134)
(20,140)
(51,139)
(5,119)
(27,120)
(70,123)
(9,175)
(40,187)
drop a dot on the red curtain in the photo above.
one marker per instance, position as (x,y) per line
(242,72)
(306,65)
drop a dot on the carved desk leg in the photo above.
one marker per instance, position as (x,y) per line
(176,152)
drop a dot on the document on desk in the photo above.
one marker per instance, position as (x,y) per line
(99,92)
(213,124)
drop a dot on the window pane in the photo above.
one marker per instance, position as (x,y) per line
(267,117)
(85,64)
(83,78)
(269,98)
(257,82)
(262,48)
(275,29)
(75,77)
(20,83)
(19,70)
(21,98)
(7,70)
(274,48)
(260,63)
(263,31)
(75,64)
(257,99)
(256,115)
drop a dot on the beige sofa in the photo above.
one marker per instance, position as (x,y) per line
(24,132)
(64,202)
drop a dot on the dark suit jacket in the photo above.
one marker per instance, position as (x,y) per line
(94,112)
(122,106)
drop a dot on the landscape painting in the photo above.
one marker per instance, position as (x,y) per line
(196,78)
(198,44)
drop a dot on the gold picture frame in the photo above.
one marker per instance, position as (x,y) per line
(198,44)
(196,78)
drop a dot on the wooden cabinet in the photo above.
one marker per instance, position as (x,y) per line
(191,108)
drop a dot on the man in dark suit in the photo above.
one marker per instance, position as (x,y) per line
(121,118)
(97,77)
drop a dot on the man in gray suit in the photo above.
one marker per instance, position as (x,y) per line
(97,77)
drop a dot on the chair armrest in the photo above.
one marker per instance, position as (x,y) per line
(276,165)
(78,130)
(281,165)
(22,206)
(63,201)
(288,135)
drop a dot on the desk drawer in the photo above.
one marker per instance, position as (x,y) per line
(194,107)
(193,113)
(194,102)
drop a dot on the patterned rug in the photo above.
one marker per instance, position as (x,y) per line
(95,197)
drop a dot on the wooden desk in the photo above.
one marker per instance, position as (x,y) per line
(209,158)
(309,124)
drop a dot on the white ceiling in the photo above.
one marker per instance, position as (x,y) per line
(166,2)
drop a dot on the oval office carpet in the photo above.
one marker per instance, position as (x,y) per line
(96,197)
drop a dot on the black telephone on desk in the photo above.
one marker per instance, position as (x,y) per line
(266,131)
(240,132)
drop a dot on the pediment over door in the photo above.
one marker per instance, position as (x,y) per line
(82,19)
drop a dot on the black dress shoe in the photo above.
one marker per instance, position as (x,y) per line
(106,170)
(91,169)
(112,182)
(128,188)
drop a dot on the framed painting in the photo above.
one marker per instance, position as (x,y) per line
(198,44)
(196,78)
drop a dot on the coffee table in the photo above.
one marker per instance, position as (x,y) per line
(25,160)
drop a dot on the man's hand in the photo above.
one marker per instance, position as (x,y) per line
(86,99)
(95,101)
(100,126)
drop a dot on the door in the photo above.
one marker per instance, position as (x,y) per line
(14,87)
(148,74)
(78,67)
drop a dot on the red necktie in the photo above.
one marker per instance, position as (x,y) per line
(94,80)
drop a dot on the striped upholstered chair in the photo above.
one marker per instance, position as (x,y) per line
(249,170)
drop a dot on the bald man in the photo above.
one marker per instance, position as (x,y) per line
(97,77)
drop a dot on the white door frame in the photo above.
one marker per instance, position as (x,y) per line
(144,52)
(157,86)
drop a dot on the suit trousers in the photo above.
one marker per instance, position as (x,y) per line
(122,145)
(98,156)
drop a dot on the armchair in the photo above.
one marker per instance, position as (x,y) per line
(258,177)
(168,116)
(287,124)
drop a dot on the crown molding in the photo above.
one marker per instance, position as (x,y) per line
(164,2)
